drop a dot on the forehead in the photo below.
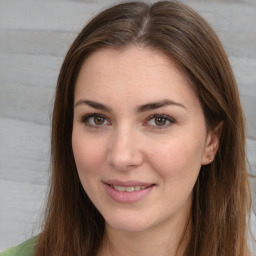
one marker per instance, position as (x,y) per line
(142,74)
(130,58)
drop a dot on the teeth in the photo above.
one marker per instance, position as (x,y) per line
(136,188)
(129,189)
(122,189)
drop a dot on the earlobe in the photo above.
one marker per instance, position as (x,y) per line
(212,144)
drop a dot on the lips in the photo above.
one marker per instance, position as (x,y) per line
(128,191)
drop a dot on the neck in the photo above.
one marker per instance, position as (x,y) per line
(165,240)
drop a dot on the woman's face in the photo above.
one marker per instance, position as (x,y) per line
(139,138)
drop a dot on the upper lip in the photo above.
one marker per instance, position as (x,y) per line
(128,183)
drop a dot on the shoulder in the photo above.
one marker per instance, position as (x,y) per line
(24,249)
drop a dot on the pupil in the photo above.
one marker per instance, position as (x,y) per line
(98,120)
(160,121)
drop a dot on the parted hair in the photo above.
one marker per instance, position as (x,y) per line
(221,196)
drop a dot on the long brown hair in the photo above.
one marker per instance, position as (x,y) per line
(221,201)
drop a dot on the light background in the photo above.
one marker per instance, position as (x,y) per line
(34,37)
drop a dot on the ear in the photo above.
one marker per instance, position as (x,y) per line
(212,144)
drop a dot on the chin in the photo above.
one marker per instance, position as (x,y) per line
(127,227)
(129,222)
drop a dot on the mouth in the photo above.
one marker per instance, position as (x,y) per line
(129,189)
(128,192)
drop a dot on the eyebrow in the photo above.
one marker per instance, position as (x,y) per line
(93,104)
(140,108)
(158,104)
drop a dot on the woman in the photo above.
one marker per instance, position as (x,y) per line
(148,143)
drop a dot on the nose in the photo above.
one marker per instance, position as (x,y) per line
(124,151)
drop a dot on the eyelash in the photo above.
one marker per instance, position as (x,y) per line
(163,116)
(85,119)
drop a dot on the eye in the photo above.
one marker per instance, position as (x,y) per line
(94,120)
(160,121)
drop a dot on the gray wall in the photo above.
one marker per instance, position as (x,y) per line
(34,37)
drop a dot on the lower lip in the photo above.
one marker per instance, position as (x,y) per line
(127,197)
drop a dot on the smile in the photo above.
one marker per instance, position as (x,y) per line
(128,192)
(128,189)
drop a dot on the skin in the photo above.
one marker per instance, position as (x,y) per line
(128,143)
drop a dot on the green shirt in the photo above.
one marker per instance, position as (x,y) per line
(24,249)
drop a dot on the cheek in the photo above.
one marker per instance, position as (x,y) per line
(177,159)
(88,156)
